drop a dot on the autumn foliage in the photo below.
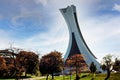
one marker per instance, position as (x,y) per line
(14,64)
(77,63)
(76,60)
(27,61)
(3,67)
(51,63)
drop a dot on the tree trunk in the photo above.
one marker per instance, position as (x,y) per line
(52,76)
(76,71)
(77,75)
(47,77)
(108,74)
(25,74)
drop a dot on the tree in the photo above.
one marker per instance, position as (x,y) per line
(93,68)
(107,64)
(116,65)
(29,61)
(11,67)
(9,57)
(51,63)
(3,67)
(76,61)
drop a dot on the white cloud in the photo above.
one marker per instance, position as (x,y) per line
(1,16)
(43,2)
(54,39)
(98,33)
(5,40)
(24,13)
(116,7)
(101,35)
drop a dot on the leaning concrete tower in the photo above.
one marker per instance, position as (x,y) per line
(77,44)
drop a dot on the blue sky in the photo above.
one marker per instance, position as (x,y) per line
(38,25)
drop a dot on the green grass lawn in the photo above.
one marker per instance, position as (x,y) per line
(83,76)
(114,76)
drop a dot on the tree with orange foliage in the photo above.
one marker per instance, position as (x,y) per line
(51,63)
(3,67)
(76,61)
(9,56)
(28,61)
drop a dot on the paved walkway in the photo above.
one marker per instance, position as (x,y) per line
(36,78)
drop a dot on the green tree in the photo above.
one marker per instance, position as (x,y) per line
(116,65)
(107,65)
(93,68)
(51,63)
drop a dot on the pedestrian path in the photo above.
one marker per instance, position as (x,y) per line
(36,78)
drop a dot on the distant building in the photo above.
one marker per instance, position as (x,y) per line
(77,44)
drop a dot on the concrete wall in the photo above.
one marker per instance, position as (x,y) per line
(70,16)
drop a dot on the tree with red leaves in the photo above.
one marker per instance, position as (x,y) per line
(76,61)
(29,61)
(3,67)
(9,56)
(51,63)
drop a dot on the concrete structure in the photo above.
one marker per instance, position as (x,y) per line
(77,44)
